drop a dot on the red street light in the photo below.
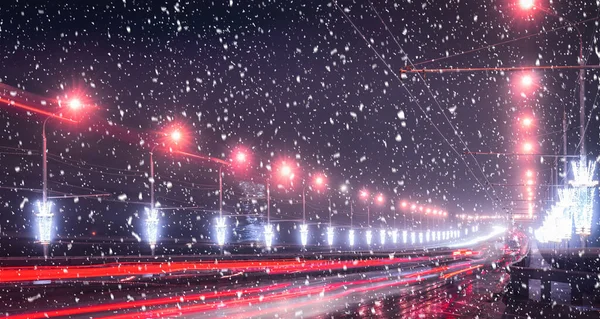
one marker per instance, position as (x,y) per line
(319,181)
(527,147)
(380,198)
(526,4)
(526,80)
(175,135)
(75,104)
(527,122)
(286,171)
(240,157)
(529,173)
(403,204)
(364,194)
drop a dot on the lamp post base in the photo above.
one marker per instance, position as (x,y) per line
(583,241)
(45,248)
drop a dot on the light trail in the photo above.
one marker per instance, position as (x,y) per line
(146,303)
(36,273)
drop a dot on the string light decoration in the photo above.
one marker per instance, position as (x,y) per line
(584,184)
(152,227)
(268,236)
(330,232)
(44,220)
(369,236)
(567,203)
(304,234)
(382,234)
(221,232)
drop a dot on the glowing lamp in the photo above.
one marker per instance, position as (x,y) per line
(526,5)
(240,157)
(75,104)
(221,232)
(176,136)
(330,231)
(44,219)
(269,236)
(304,234)
(369,237)
(152,226)
(364,194)
(382,235)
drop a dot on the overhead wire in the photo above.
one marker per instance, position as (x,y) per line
(435,100)
(414,99)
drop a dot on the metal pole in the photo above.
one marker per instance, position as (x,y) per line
(220,191)
(565,150)
(581,96)
(351,221)
(152,246)
(329,199)
(45,179)
(44,164)
(368,216)
(151,180)
(303,203)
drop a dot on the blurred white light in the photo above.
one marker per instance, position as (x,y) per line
(433,236)
(395,236)
(526,5)
(304,234)
(382,234)
(44,219)
(413,238)
(152,226)
(583,173)
(351,237)
(220,227)
(330,231)
(404,236)
(420,238)
(369,236)
(269,236)
(427,234)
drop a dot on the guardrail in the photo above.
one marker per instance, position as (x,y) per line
(581,283)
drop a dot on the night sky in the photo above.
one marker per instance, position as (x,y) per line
(289,80)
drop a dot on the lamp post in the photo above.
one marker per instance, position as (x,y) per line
(240,158)
(364,195)
(45,216)
(382,232)
(344,190)
(153,219)
(220,224)
(285,172)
